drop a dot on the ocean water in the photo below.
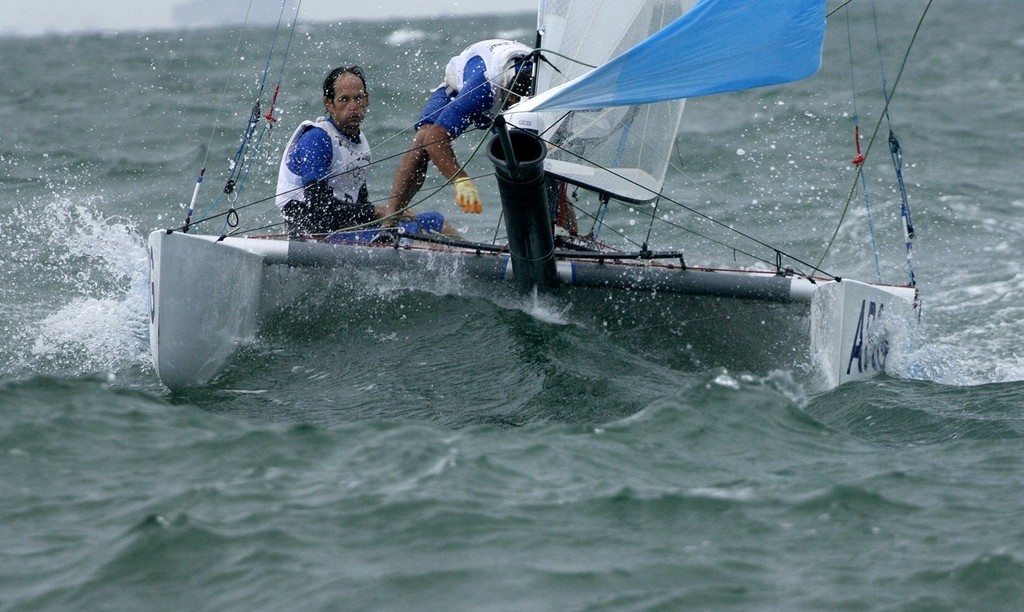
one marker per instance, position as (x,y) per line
(390,446)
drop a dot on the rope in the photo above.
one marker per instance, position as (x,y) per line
(858,159)
(874,134)
(248,147)
(896,154)
(216,122)
(728,228)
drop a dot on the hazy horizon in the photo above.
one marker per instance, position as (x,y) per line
(55,17)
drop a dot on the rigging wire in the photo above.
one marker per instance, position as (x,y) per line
(858,160)
(896,154)
(254,114)
(709,218)
(888,100)
(216,122)
(241,164)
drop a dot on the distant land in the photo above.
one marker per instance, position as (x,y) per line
(204,14)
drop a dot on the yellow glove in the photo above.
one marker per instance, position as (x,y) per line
(466,195)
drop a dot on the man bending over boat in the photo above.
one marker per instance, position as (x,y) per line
(321,185)
(480,82)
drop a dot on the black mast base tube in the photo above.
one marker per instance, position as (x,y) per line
(524,203)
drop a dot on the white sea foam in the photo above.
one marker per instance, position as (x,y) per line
(401,37)
(545,310)
(103,265)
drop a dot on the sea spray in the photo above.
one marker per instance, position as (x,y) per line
(90,272)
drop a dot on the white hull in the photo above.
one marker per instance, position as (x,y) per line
(208,297)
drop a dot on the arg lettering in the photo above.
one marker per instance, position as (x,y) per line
(869,350)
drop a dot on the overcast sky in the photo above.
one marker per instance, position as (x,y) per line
(33,17)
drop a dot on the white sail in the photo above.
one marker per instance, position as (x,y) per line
(628,148)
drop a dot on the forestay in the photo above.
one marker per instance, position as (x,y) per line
(624,114)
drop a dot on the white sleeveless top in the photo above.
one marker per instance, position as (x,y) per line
(499,57)
(350,165)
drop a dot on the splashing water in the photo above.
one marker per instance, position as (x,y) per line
(89,278)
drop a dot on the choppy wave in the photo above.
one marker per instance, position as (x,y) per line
(89,275)
(718,484)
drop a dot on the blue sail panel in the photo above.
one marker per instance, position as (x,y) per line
(718,46)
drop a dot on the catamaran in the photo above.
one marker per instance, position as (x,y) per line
(611,88)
